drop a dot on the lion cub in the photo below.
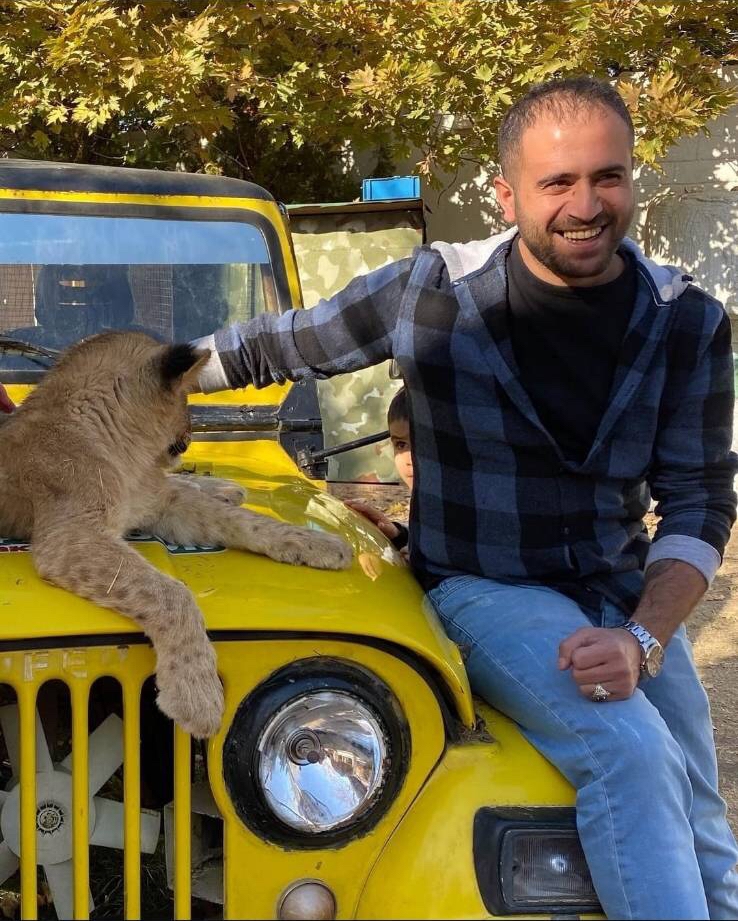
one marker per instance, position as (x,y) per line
(82,463)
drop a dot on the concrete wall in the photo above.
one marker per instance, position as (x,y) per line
(688,214)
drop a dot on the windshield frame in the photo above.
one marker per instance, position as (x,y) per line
(85,204)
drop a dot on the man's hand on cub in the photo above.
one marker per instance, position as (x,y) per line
(6,404)
(597,655)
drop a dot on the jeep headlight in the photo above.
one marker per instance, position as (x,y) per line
(322,760)
(315,754)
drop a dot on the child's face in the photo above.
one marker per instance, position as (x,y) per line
(400,438)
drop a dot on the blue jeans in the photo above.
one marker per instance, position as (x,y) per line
(652,825)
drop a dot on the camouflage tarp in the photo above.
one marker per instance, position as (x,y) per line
(333,244)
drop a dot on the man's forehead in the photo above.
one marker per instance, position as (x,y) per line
(581,138)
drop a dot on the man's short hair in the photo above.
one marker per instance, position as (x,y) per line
(560,98)
(398,411)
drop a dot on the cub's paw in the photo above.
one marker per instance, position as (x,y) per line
(191,694)
(312,548)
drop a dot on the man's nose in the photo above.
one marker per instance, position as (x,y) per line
(585,203)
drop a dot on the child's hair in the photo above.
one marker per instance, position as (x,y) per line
(398,411)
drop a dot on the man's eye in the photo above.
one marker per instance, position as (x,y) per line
(610,179)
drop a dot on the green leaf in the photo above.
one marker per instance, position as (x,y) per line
(41,140)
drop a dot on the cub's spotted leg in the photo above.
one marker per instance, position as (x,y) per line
(186,517)
(77,555)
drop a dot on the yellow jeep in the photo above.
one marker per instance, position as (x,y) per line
(354,775)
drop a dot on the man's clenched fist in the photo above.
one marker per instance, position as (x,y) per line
(597,655)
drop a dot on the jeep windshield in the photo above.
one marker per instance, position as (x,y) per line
(64,277)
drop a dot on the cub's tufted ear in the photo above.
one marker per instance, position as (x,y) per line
(180,364)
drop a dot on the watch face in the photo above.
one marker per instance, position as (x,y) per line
(654,661)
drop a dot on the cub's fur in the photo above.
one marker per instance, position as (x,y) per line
(82,463)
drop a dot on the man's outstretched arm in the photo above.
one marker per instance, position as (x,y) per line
(354,329)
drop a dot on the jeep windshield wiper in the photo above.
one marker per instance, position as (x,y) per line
(32,352)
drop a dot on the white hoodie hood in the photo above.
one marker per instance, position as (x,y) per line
(463,259)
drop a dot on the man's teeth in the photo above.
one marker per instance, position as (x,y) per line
(582,234)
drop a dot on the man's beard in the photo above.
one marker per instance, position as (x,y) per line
(542,245)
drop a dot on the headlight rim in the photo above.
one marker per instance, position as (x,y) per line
(286,684)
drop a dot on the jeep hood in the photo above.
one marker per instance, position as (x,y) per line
(376,599)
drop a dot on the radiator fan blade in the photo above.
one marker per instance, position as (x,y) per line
(9,863)
(60,877)
(9,721)
(110,822)
(105,752)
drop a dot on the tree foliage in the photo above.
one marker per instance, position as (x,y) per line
(277,92)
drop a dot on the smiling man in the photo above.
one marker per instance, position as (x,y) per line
(557,380)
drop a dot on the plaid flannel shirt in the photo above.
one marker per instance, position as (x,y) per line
(493,495)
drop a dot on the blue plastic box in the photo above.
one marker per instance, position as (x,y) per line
(389,189)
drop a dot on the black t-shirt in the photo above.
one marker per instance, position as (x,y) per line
(566,342)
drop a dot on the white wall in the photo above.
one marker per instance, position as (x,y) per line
(688,214)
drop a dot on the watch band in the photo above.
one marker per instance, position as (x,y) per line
(646,640)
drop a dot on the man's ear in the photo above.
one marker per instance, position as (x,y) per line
(506,198)
(181,365)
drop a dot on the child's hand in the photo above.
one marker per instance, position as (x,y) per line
(385,525)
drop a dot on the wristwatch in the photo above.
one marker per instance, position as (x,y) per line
(652,652)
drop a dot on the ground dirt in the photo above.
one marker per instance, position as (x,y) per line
(713,628)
